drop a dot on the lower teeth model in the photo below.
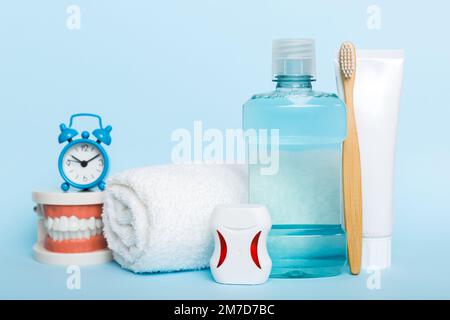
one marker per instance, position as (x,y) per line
(73,229)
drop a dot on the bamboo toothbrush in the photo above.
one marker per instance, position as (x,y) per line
(351,165)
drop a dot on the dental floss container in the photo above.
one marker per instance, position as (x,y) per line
(70,231)
(240,233)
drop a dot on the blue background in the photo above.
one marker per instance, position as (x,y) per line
(150,67)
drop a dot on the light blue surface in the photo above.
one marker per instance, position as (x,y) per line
(151,67)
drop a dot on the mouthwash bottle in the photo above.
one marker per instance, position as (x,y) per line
(304,194)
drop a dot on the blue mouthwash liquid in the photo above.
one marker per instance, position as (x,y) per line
(304,196)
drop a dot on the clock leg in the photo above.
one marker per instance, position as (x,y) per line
(102,186)
(65,187)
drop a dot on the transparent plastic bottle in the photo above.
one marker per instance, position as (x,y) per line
(305,196)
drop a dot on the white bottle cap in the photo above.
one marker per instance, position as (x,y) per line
(376,253)
(294,57)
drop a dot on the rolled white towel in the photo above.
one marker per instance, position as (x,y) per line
(157,219)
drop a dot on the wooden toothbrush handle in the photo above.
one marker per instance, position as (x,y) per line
(351,172)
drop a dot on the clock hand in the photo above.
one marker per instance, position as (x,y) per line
(93,158)
(81,162)
(77,160)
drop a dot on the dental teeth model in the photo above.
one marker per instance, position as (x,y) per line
(70,228)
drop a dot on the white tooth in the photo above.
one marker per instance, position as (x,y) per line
(83,224)
(66,235)
(49,223)
(78,235)
(50,233)
(63,224)
(73,223)
(91,223)
(56,235)
(98,223)
(56,224)
(86,234)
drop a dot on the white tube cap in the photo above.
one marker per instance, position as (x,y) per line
(376,253)
(294,57)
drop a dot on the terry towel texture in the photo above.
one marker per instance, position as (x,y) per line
(156,219)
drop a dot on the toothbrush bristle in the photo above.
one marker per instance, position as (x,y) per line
(347,59)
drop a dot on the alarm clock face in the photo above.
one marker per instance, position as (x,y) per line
(84,164)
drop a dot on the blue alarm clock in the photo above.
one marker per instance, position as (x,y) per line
(84,163)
